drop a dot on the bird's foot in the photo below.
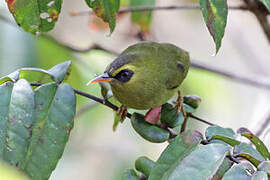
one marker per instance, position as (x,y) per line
(179,105)
(122,112)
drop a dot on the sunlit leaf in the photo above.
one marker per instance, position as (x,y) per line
(35,15)
(215,17)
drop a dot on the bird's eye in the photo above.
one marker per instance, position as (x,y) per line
(124,75)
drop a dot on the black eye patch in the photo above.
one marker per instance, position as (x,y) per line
(124,75)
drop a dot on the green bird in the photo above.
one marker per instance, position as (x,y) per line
(147,74)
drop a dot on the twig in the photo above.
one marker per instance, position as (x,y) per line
(263,125)
(261,13)
(155,8)
(112,106)
(254,80)
(200,119)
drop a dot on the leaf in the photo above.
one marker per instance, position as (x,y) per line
(261,148)
(170,116)
(61,71)
(130,174)
(223,168)
(144,165)
(259,175)
(266,4)
(217,130)
(35,126)
(142,19)
(237,172)
(35,15)
(192,100)
(202,163)
(105,9)
(5,79)
(226,135)
(148,131)
(215,17)
(5,94)
(35,75)
(19,123)
(54,113)
(264,166)
(246,151)
(174,153)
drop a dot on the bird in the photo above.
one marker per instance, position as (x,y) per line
(146,74)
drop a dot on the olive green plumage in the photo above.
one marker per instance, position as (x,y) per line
(158,70)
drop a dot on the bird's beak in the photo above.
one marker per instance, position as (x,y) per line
(102,78)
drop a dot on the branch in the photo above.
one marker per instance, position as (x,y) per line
(155,8)
(264,124)
(261,13)
(254,81)
(112,106)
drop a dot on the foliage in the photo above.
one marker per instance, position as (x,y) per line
(36,123)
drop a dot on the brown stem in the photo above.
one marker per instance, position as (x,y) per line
(155,8)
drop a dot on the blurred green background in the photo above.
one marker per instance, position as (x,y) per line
(94,150)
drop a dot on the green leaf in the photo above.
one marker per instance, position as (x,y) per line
(142,19)
(264,166)
(148,131)
(130,174)
(144,165)
(226,135)
(217,130)
(54,113)
(215,17)
(246,151)
(5,94)
(175,152)
(61,71)
(223,168)
(35,126)
(35,15)
(259,175)
(170,116)
(192,100)
(5,79)
(202,163)
(105,9)
(266,3)
(261,148)
(35,75)
(237,172)
(20,120)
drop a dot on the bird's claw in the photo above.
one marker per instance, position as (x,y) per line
(122,112)
(179,105)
